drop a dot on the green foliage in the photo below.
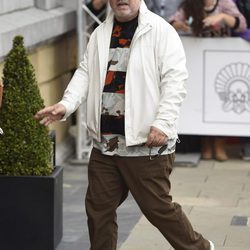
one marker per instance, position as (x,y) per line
(25,147)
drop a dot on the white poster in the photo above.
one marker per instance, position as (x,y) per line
(226,87)
(218,99)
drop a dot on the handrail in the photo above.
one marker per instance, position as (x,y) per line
(91,14)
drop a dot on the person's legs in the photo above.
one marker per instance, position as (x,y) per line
(149,184)
(220,148)
(207,147)
(106,191)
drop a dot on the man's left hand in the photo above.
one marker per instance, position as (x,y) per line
(156,138)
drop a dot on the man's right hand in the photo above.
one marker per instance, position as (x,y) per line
(51,114)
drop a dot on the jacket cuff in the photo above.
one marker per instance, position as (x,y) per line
(167,129)
(67,107)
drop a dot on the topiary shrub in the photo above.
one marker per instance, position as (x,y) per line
(25,147)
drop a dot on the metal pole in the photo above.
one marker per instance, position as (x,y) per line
(80,43)
(83,142)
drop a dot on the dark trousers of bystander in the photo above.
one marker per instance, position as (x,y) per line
(110,179)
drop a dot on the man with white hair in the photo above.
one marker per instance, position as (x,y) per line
(133,79)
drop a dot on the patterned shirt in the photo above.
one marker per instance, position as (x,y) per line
(113,97)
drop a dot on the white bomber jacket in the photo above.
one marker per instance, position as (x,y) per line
(155,79)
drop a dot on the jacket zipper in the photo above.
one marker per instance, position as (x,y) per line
(138,34)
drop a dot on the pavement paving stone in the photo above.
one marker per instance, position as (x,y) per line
(244,202)
(246,186)
(194,201)
(190,175)
(211,194)
(146,237)
(215,193)
(186,189)
(232,248)
(215,214)
(229,177)
(238,236)
(232,164)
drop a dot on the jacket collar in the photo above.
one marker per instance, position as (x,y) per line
(143,13)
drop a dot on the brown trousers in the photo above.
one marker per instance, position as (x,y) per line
(110,179)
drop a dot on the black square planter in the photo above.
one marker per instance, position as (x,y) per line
(31,211)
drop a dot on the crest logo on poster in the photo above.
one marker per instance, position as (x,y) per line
(232,84)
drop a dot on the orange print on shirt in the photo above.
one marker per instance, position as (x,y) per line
(120,89)
(124,42)
(117,31)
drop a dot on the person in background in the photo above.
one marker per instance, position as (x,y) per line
(244,7)
(209,18)
(163,8)
(97,6)
(134,62)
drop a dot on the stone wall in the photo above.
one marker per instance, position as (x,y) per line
(14,5)
(48,28)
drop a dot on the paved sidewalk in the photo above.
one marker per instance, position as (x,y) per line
(75,232)
(216,198)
